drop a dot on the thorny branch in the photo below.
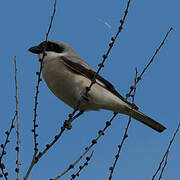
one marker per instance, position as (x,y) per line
(165,157)
(35,125)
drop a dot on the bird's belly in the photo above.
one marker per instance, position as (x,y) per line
(69,87)
(61,82)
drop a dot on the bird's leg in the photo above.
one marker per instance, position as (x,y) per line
(68,122)
(82,101)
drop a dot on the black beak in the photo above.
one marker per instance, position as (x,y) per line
(35,49)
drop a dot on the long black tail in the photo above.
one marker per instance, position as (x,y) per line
(147,121)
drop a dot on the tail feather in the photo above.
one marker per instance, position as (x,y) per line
(147,121)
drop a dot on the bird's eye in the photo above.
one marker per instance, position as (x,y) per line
(50,46)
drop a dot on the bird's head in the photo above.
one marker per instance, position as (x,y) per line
(51,49)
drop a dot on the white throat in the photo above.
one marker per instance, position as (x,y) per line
(50,55)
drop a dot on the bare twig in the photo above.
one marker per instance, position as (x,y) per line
(165,157)
(40,154)
(150,61)
(157,50)
(88,158)
(48,146)
(94,141)
(3,146)
(17,121)
(132,95)
(5,174)
(52,18)
(126,130)
(35,125)
(165,163)
(132,90)
(113,39)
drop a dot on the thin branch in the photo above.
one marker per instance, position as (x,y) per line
(126,130)
(17,121)
(56,137)
(52,18)
(94,141)
(150,61)
(157,50)
(48,146)
(162,170)
(35,125)
(5,174)
(113,39)
(88,158)
(166,154)
(132,90)
(3,146)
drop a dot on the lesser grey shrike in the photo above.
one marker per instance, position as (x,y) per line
(67,75)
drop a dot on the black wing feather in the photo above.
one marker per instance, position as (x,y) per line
(79,69)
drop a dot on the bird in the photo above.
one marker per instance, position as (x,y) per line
(68,76)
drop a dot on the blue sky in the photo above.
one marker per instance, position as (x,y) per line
(79,23)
